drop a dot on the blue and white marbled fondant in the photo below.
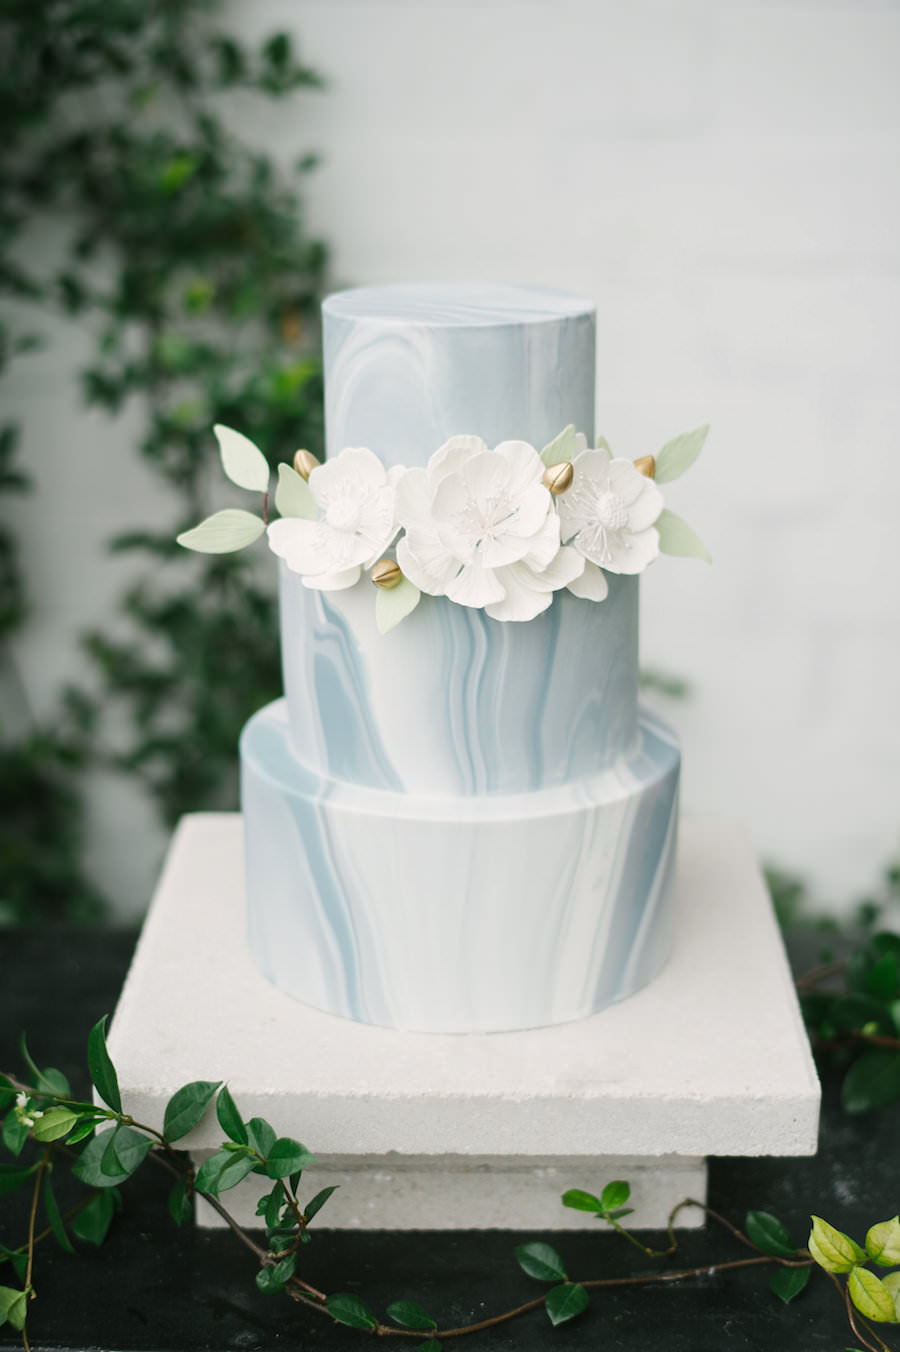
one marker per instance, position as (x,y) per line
(462,825)
(463,913)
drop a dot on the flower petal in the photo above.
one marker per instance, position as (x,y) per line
(631,553)
(475,585)
(525,465)
(451,457)
(354,465)
(425,562)
(646,506)
(337,581)
(544,545)
(592,584)
(522,601)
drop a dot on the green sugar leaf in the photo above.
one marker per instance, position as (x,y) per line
(615,1195)
(768,1234)
(102,1071)
(243,463)
(229,1118)
(581,1201)
(872,1081)
(871,1297)
(287,1156)
(787,1283)
(562,447)
(293,496)
(540,1261)
(565,1302)
(676,537)
(316,1203)
(679,454)
(395,604)
(223,532)
(350,1310)
(186,1107)
(411,1315)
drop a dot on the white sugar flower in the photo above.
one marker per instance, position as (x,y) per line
(481,529)
(355,521)
(608,515)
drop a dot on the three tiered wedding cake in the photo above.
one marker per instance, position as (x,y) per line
(458,819)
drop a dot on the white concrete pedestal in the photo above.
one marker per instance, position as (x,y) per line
(443,1131)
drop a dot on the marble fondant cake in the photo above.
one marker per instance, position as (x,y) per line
(466,823)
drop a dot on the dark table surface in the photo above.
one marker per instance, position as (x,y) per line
(153,1288)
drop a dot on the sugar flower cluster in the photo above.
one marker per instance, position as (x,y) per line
(496,529)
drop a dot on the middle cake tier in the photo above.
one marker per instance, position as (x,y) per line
(452,702)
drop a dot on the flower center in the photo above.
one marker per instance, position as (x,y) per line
(611,512)
(481,522)
(342,513)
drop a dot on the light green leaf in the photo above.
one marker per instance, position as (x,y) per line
(293,496)
(679,454)
(787,1283)
(13,1307)
(615,1195)
(603,445)
(892,1283)
(350,1310)
(871,1297)
(883,1243)
(243,463)
(186,1107)
(676,537)
(411,1316)
(395,604)
(55,1122)
(565,1302)
(223,532)
(768,1234)
(541,1261)
(581,1201)
(562,447)
(832,1249)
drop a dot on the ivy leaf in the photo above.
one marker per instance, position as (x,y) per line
(51,1207)
(316,1203)
(53,1123)
(293,496)
(562,447)
(541,1261)
(787,1283)
(411,1315)
(102,1071)
(12,1177)
(872,1081)
(242,461)
(180,1204)
(768,1234)
(394,604)
(186,1107)
(92,1224)
(565,1302)
(832,1249)
(229,1118)
(223,532)
(581,1201)
(883,1243)
(676,537)
(286,1156)
(13,1307)
(679,454)
(615,1195)
(350,1310)
(871,1297)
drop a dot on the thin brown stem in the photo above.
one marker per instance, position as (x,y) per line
(854,1038)
(816,975)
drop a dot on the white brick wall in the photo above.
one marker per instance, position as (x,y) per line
(724,179)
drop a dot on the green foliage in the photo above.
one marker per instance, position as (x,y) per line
(768,1234)
(186,1107)
(540,1261)
(411,1316)
(565,1302)
(189,258)
(352,1311)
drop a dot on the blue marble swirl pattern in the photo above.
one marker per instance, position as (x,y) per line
(452,701)
(406,367)
(455,914)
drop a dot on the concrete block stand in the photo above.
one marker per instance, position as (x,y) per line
(443,1131)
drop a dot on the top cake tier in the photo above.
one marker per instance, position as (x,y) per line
(406,367)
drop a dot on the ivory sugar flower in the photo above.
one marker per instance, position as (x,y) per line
(355,521)
(608,514)
(480,528)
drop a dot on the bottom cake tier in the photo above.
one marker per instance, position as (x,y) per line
(462,914)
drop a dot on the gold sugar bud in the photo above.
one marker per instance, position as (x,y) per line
(558,478)
(304,463)
(386,574)
(646,465)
